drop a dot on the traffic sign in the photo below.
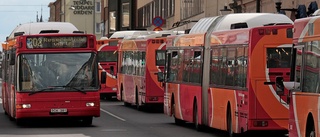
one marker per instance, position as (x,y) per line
(157,29)
(157,21)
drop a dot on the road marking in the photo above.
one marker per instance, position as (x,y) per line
(0,101)
(113,115)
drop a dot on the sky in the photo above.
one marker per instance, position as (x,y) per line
(15,12)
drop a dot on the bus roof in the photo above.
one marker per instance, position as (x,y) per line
(157,34)
(129,33)
(39,27)
(306,27)
(239,20)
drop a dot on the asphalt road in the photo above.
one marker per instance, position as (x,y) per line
(116,121)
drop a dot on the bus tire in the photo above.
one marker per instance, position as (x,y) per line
(196,117)
(121,93)
(229,122)
(176,120)
(310,129)
(137,100)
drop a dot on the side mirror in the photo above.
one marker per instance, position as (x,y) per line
(103,77)
(279,86)
(160,76)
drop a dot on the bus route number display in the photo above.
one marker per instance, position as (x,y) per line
(57,42)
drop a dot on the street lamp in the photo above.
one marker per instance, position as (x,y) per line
(278,5)
(225,10)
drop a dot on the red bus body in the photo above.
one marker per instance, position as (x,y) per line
(229,83)
(107,60)
(137,74)
(29,91)
(304,98)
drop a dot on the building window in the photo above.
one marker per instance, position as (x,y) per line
(112,21)
(140,18)
(98,7)
(98,27)
(162,8)
(191,8)
(125,14)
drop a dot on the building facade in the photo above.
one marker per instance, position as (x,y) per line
(84,14)
(182,14)
(104,17)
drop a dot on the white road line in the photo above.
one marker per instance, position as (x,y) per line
(0,101)
(113,115)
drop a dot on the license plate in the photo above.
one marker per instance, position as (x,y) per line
(59,110)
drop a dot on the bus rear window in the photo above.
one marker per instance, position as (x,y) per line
(278,57)
(107,56)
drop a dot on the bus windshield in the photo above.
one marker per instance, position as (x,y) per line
(107,56)
(44,71)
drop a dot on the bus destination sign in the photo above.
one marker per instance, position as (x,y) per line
(56,42)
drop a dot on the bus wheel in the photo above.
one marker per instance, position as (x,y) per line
(310,130)
(229,123)
(137,100)
(173,108)
(196,118)
(121,93)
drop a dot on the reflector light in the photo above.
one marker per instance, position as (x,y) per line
(261,31)
(268,32)
(274,31)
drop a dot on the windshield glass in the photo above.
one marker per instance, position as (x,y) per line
(107,56)
(43,71)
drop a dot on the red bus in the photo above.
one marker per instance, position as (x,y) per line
(137,74)
(304,88)
(108,60)
(224,79)
(50,70)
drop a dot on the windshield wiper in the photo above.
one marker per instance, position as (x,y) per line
(77,89)
(45,89)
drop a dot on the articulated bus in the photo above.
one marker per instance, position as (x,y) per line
(225,79)
(50,70)
(138,68)
(108,60)
(305,79)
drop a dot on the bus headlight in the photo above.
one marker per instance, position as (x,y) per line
(90,104)
(23,106)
